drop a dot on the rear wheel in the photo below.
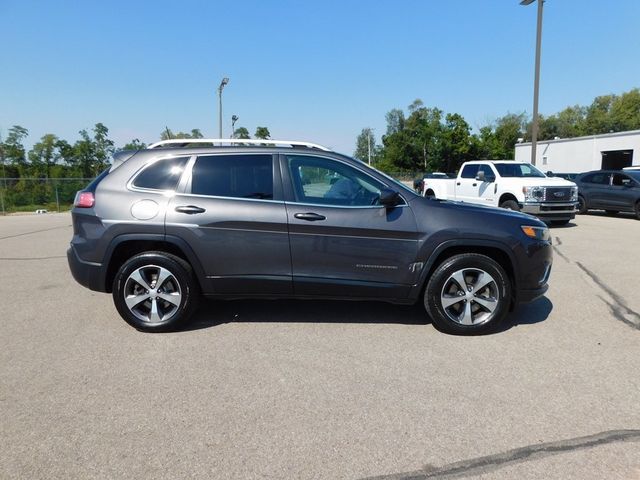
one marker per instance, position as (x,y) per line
(468,294)
(510,205)
(155,291)
(638,210)
(582,205)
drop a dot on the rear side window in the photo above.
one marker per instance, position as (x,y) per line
(162,175)
(470,171)
(235,176)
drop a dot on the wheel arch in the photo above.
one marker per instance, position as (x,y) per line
(507,196)
(124,247)
(494,250)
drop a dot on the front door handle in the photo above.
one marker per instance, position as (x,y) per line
(190,209)
(310,217)
(458,183)
(475,184)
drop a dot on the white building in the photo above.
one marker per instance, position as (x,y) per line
(581,154)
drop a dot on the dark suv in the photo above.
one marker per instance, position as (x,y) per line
(270,219)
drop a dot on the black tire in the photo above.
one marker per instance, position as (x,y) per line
(637,210)
(510,205)
(582,205)
(453,318)
(559,223)
(611,212)
(179,286)
(429,194)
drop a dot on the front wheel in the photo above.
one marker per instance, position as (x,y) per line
(510,205)
(155,291)
(468,294)
(582,205)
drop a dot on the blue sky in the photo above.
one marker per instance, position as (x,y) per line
(317,71)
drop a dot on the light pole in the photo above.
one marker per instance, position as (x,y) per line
(224,81)
(536,83)
(234,119)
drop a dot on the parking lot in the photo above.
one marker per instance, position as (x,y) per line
(335,390)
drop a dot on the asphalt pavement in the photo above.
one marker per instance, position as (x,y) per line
(326,390)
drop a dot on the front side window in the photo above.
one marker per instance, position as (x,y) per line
(488,172)
(163,174)
(328,182)
(470,171)
(597,178)
(235,176)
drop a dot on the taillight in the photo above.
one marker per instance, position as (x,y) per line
(84,200)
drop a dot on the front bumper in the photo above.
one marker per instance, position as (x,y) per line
(87,274)
(550,211)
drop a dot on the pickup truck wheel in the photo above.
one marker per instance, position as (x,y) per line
(582,205)
(468,294)
(155,291)
(510,205)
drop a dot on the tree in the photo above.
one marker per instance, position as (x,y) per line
(134,144)
(366,148)
(44,155)
(262,133)
(13,148)
(167,134)
(241,132)
(395,121)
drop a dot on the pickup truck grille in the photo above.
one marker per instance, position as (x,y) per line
(557,194)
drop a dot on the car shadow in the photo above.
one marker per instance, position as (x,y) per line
(212,313)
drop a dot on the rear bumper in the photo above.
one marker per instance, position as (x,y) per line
(87,274)
(551,211)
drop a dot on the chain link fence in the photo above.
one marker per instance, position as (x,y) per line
(32,194)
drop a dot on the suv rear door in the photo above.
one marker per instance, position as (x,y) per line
(230,211)
(342,242)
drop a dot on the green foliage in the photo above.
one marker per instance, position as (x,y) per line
(262,133)
(366,145)
(423,141)
(241,132)
(134,144)
(167,134)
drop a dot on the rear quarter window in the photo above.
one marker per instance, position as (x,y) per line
(164,174)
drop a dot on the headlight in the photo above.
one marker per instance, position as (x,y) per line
(539,233)
(574,194)
(533,194)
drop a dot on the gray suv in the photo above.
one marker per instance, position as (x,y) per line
(269,219)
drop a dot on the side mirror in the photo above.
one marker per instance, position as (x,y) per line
(549,173)
(389,198)
(481,177)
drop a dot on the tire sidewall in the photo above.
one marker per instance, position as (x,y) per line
(435,285)
(181,274)
(510,205)
(582,205)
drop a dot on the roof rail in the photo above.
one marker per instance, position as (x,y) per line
(221,142)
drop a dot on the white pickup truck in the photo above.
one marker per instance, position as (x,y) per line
(508,184)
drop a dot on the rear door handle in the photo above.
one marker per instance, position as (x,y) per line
(475,184)
(310,217)
(458,183)
(190,209)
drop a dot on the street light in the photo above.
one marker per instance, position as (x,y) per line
(234,119)
(536,83)
(224,81)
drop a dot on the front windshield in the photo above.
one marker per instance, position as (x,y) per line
(518,170)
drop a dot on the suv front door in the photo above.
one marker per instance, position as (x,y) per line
(343,243)
(230,211)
